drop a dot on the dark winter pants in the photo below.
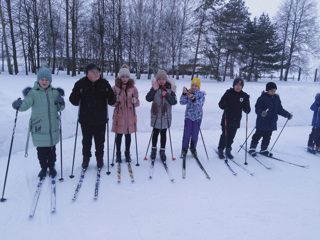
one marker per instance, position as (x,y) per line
(119,139)
(191,129)
(231,133)
(265,135)
(98,133)
(47,156)
(163,137)
(314,138)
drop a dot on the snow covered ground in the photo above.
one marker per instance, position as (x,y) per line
(281,203)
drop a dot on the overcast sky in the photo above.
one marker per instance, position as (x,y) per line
(257,7)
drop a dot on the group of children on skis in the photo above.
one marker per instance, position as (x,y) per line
(93,93)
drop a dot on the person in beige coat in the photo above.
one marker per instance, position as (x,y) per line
(124,116)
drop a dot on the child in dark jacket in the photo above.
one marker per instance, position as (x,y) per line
(194,99)
(92,93)
(314,137)
(163,97)
(268,107)
(45,102)
(233,102)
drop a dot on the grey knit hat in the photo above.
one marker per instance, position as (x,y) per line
(124,71)
(44,73)
(162,74)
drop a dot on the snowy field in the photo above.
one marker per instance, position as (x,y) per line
(281,203)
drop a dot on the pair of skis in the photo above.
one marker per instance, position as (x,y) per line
(199,163)
(37,195)
(165,167)
(129,169)
(96,188)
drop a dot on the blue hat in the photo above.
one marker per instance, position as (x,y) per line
(44,73)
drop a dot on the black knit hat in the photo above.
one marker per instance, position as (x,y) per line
(91,66)
(270,86)
(238,80)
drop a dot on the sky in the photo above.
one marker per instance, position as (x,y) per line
(257,7)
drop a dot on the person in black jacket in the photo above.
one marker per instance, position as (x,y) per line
(268,107)
(233,102)
(92,93)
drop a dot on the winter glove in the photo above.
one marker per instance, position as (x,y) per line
(224,105)
(17,103)
(134,100)
(61,91)
(118,98)
(264,114)
(289,116)
(59,100)
(25,91)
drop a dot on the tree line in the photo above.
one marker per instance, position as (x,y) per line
(216,38)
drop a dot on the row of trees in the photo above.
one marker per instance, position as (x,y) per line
(217,35)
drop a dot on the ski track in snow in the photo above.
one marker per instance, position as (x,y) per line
(282,203)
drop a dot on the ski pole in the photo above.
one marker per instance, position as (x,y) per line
(225,132)
(250,134)
(108,172)
(145,157)
(246,153)
(204,145)
(5,179)
(135,130)
(170,142)
(115,134)
(60,179)
(279,134)
(75,141)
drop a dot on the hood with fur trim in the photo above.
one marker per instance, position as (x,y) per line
(169,84)
(130,83)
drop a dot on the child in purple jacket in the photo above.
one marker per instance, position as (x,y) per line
(194,99)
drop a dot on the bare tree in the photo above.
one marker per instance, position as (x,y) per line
(300,32)
(5,40)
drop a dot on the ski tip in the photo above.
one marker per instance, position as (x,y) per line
(208,177)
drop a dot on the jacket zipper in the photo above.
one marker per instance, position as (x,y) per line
(49,115)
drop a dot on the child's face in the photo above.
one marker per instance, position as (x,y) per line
(93,75)
(162,81)
(44,83)
(194,88)
(124,79)
(272,92)
(238,87)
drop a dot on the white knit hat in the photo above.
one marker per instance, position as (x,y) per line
(162,74)
(124,71)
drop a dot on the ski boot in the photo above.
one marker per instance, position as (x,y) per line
(43,173)
(52,172)
(118,159)
(252,152)
(312,150)
(184,152)
(193,152)
(100,162)
(85,162)
(163,154)
(153,153)
(266,153)
(128,157)
(228,153)
(221,154)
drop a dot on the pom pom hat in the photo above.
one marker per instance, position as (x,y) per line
(124,71)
